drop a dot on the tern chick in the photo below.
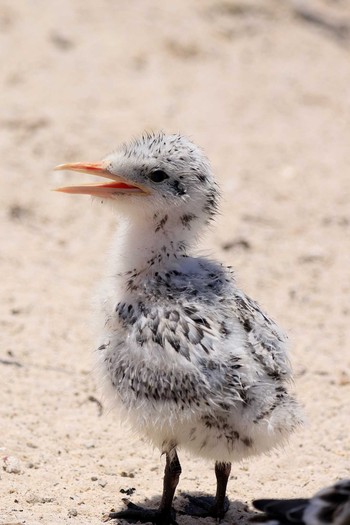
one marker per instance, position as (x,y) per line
(329,506)
(188,359)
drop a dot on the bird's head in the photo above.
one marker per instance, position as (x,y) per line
(153,175)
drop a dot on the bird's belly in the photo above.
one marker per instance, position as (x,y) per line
(174,410)
(170,401)
(230,437)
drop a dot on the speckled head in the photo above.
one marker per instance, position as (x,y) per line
(152,175)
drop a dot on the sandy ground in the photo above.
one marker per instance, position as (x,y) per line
(265,90)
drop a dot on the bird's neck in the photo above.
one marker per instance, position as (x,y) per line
(146,246)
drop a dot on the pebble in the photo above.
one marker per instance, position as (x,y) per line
(31,445)
(89,445)
(127,474)
(12,465)
(32,498)
(102,483)
(344,379)
(72,513)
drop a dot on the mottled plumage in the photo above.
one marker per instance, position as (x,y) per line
(329,506)
(186,357)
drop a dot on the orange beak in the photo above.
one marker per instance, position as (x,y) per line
(106,190)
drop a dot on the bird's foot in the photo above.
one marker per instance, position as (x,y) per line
(134,514)
(206,506)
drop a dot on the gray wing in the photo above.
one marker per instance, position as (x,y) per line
(266,341)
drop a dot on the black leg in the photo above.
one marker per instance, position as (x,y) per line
(207,506)
(171,479)
(164,515)
(222,472)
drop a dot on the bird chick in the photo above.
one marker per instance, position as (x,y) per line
(188,359)
(329,506)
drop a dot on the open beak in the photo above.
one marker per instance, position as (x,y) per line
(108,189)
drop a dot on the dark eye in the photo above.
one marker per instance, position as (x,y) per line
(158,176)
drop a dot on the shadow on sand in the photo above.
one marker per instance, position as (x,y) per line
(238,512)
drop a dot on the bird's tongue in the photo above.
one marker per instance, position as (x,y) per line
(117,185)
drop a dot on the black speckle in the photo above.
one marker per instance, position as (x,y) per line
(265,413)
(212,205)
(179,189)
(187,218)
(141,338)
(190,310)
(184,327)
(173,315)
(205,347)
(212,365)
(248,442)
(223,329)
(274,374)
(157,338)
(161,224)
(208,421)
(130,285)
(203,321)
(247,325)
(175,343)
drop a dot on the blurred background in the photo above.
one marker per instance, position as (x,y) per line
(263,86)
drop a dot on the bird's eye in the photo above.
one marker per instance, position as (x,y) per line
(158,176)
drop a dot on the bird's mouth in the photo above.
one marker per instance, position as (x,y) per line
(108,189)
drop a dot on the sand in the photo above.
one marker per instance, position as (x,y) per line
(264,89)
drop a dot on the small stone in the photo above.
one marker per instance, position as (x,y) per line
(102,483)
(344,379)
(72,513)
(31,445)
(62,42)
(30,464)
(313,255)
(12,465)
(242,243)
(32,498)
(127,474)
(47,500)
(128,492)
(89,445)
(94,478)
